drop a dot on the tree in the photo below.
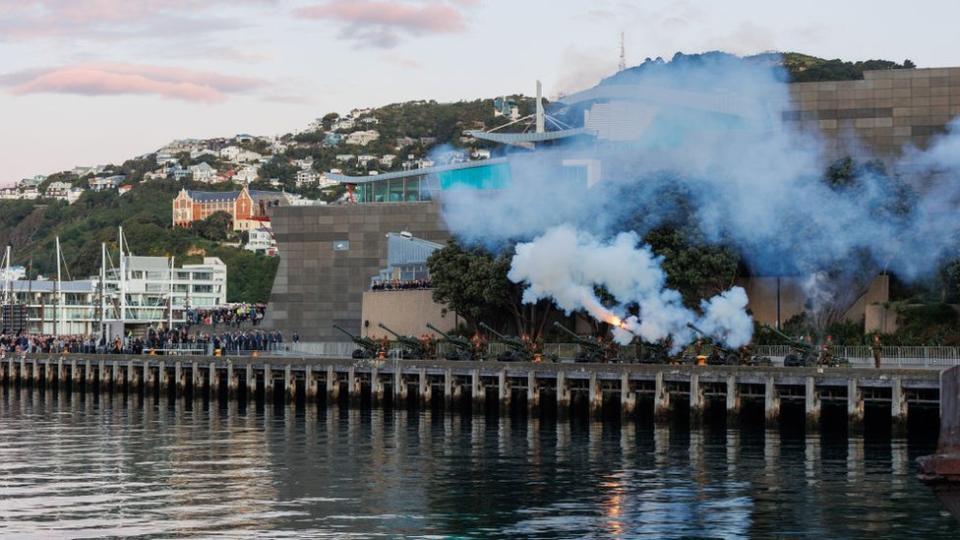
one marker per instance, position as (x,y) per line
(694,268)
(328,119)
(215,227)
(473,282)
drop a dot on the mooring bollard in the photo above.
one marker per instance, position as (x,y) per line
(697,401)
(74,374)
(771,403)
(594,395)
(49,373)
(290,384)
(376,386)
(503,390)
(628,399)
(196,379)
(563,394)
(214,383)
(661,403)
(164,378)
(399,386)
(61,373)
(811,403)
(854,405)
(447,387)
(353,387)
(88,377)
(117,376)
(251,381)
(478,392)
(423,387)
(103,379)
(178,382)
(133,380)
(232,382)
(332,386)
(733,399)
(898,404)
(310,386)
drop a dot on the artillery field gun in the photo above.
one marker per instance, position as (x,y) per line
(723,356)
(368,348)
(591,349)
(463,348)
(806,354)
(518,350)
(411,347)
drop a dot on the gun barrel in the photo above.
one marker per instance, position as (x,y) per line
(566,330)
(784,336)
(385,327)
(696,329)
(340,328)
(486,327)
(437,330)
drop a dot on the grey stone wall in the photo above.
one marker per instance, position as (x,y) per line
(882,114)
(320,281)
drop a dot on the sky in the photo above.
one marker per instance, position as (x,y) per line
(85,82)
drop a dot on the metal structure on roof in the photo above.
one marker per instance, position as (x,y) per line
(539,122)
(403,248)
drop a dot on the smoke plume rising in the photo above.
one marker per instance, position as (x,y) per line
(710,144)
(567,266)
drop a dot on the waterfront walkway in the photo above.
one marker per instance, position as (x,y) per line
(566,387)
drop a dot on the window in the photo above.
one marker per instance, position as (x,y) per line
(341,245)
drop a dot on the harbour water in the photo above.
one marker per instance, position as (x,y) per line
(79,465)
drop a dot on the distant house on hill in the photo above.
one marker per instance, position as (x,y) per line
(105,183)
(32,182)
(203,173)
(362,138)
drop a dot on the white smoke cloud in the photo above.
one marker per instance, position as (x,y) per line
(566,265)
(752,181)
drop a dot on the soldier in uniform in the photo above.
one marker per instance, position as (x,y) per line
(826,352)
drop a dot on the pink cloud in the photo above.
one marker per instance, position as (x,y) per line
(379,22)
(115,79)
(108,19)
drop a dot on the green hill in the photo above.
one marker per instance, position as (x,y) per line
(31,228)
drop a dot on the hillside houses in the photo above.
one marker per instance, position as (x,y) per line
(362,138)
(203,173)
(235,154)
(246,174)
(104,183)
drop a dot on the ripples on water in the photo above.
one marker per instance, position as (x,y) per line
(78,466)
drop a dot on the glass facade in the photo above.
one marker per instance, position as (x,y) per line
(423,187)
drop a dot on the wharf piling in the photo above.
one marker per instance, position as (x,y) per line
(566,387)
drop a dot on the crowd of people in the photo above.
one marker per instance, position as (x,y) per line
(199,335)
(155,342)
(234,315)
(399,285)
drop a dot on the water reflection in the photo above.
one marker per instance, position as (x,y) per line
(75,465)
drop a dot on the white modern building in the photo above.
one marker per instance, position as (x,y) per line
(139,293)
(262,241)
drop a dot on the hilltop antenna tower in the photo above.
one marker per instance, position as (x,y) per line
(623,55)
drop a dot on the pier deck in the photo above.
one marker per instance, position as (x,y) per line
(529,384)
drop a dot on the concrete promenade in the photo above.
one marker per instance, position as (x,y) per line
(603,388)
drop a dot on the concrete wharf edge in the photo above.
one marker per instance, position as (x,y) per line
(618,384)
